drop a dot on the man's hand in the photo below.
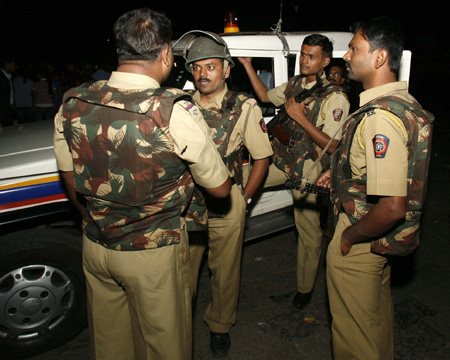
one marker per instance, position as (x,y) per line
(77,200)
(296,111)
(346,244)
(381,218)
(245,60)
(324,180)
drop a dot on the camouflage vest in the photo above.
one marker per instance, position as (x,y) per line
(350,193)
(137,188)
(291,159)
(222,122)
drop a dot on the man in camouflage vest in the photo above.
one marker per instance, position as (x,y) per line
(378,179)
(310,126)
(133,151)
(236,121)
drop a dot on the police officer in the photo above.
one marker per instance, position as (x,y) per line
(236,122)
(123,145)
(312,124)
(379,181)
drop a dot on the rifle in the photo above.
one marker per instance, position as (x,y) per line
(302,185)
(274,125)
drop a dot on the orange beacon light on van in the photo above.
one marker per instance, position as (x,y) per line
(231,22)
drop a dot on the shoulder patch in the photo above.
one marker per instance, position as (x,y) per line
(380,145)
(262,123)
(337,114)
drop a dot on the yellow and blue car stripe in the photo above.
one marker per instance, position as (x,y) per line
(31,193)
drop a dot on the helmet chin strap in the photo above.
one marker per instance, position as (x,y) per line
(225,66)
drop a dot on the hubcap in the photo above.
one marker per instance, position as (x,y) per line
(33,300)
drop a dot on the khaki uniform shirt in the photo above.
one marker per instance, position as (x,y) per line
(190,134)
(247,129)
(379,147)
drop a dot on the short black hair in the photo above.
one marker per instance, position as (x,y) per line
(340,63)
(141,34)
(322,41)
(383,33)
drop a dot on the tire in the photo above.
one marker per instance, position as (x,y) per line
(42,291)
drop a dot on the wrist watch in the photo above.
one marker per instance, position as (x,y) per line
(247,198)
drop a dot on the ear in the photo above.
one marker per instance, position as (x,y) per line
(381,58)
(166,55)
(326,62)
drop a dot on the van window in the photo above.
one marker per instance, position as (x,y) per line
(239,81)
(291,65)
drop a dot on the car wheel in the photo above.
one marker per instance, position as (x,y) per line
(42,291)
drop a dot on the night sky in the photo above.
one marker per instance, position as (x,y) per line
(66,31)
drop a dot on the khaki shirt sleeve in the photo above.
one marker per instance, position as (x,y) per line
(193,143)
(381,142)
(256,139)
(334,111)
(61,147)
(276,95)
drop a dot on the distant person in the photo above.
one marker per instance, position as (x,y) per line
(44,95)
(100,74)
(23,91)
(87,70)
(132,150)
(56,79)
(237,124)
(71,77)
(337,74)
(379,178)
(7,68)
(299,140)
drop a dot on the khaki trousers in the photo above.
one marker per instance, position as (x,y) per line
(360,301)
(307,222)
(139,302)
(224,238)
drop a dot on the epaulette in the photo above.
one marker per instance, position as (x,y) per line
(188,106)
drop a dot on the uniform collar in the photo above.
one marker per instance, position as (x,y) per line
(381,90)
(125,80)
(311,84)
(216,101)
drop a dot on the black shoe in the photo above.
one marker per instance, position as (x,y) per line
(220,344)
(300,300)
